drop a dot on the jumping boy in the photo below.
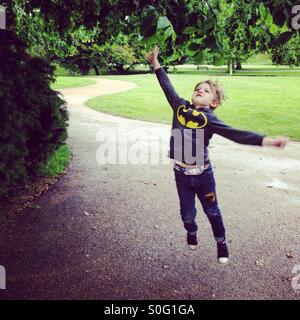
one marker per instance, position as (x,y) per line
(197,178)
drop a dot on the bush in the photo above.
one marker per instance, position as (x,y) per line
(33,118)
(118,56)
(287,54)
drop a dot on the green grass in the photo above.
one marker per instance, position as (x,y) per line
(57,163)
(260,59)
(71,82)
(265,104)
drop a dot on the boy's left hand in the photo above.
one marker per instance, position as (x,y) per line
(275,142)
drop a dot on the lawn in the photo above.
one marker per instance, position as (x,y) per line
(71,82)
(57,163)
(265,104)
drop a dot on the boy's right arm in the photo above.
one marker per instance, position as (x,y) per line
(174,100)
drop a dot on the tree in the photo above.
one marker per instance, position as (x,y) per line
(184,29)
(288,53)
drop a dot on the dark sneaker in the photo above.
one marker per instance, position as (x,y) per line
(223,255)
(192,241)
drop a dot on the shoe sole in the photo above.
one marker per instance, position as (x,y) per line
(192,247)
(223,264)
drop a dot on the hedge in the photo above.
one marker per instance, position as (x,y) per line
(33,117)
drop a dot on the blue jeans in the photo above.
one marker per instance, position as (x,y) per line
(204,186)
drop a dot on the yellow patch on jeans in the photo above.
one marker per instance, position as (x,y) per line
(211,197)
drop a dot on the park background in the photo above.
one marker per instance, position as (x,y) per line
(250,47)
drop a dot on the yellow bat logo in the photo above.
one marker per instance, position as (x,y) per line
(187,116)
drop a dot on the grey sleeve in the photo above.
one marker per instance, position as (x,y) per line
(174,100)
(236,135)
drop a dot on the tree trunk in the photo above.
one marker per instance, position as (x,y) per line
(83,67)
(230,67)
(96,70)
(120,68)
(238,65)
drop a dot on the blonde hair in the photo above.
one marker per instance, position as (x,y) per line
(217,90)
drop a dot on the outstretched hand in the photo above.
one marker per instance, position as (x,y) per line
(275,142)
(153,57)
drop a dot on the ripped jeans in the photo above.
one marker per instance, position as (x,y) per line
(204,186)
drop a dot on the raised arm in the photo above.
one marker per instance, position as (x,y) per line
(153,58)
(245,137)
(174,100)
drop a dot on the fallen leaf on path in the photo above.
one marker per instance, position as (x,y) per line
(33,206)
(259,263)
(290,255)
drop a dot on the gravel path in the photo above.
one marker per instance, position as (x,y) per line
(107,231)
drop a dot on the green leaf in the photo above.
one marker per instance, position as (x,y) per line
(219,61)
(163,23)
(168,33)
(274,29)
(173,57)
(199,58)
(148,41)
(262,11)
(173,35)
(269,20)
(190,30)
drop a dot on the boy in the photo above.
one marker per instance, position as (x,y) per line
(195,177)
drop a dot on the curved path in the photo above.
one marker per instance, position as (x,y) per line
(107,231)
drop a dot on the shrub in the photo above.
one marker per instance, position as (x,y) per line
(288,53)
(33,118)
(118,56)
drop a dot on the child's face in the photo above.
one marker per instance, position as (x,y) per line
(203,96)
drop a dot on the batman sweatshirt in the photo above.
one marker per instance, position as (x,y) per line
(193,128)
